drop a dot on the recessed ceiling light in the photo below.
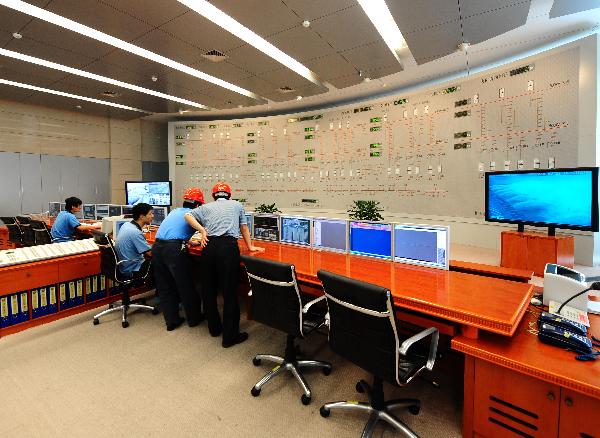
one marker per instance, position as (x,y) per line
(154,78)
(81,29)
(109,93)
(85,74)
(223,20)
(17,35)
(77,106)
(285,89)
(306,23)
(72,96)
(298,97)
(382,19)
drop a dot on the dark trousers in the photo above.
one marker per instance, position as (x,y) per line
(220,268)
(173,275)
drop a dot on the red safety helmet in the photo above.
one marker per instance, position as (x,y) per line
(221,188)
(194,194)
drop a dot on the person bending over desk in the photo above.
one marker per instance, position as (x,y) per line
(66,223)
(131,245)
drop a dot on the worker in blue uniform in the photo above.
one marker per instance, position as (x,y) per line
(223,220)
(172,264)
(66,223)
(133,251)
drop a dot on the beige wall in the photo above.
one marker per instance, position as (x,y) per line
(40,130)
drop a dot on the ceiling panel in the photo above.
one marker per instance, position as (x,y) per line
(478,28)
(142,66)
(11,20)
(253,14)
(220,98)
(160,42)
(411,17)
(8,92)
(372,56)
(301,43)
(427,45)
(222,70)
(567,7)
(119,72)
(474,7)
(29,72)
(313,9)
(152,12)
(252,60)
(346,29)
(331,67)
(286,78)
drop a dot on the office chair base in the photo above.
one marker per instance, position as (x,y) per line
(293,367)
(124,309)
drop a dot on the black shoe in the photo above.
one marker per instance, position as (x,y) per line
(198,321)
(241,337)
(171,327)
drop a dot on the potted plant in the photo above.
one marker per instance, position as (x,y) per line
(366,211)
(266,209)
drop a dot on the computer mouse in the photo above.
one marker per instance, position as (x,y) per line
(536,301)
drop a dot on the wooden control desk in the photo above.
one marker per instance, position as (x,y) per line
(532,251)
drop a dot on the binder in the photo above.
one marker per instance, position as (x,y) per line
(94,295)
(88,289)
(4,312)
(35,304)
(24,306)
(72,295)
(79,289)
(14,309)
(62,296)
(43,297)
(102,291)
(52,301)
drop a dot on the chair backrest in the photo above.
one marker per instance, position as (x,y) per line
(23,220)
(14,230)
(27,233)
(362,324)
(41,233)
(275,295)
(108,256)
(7,220)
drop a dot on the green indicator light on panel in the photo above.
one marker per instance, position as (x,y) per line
(375,119)
(309,137)
(180,137)
(251,161)
(180,143)
(237,125)
(375,128)
(309,158)
(250,141)
(309,151)
(400,101)
(375,145)
(178,157)
(179,163)
(375,154)
(190,126)
(213,126)
(309,129)
(451,89)
(252,154)
(250,134)
(263,123)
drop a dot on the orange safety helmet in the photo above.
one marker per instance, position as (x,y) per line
(221,188)
(194,194)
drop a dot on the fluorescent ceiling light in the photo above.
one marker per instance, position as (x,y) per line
(72,96)
(85,74)
(61,21)
(223,20)
(382,19)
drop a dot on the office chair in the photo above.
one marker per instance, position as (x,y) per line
(109,266)
(27,234)
(277,303)
(363,329)
(41,234)
(14,231)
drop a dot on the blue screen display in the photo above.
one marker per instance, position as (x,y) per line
(563,198)
(371,239)
(153,193)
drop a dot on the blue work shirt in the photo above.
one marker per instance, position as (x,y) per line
(221,218)
(175,227)
(64,227)
(131,246)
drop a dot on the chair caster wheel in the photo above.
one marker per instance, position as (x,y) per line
(327,371)
(359,387)
(125,324)
(305,399)
(155,311)
(414,409)
(96,321)
(324,412)
(256,361)
(255,392)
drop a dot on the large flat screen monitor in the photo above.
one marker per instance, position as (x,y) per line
(423,245)
(295,230)
(555,198)
(372,239)
(266,227)
(89,211)
(160,213)
(330,234)
(151,192)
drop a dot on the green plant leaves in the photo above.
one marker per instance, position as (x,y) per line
(267,208)
(366,211)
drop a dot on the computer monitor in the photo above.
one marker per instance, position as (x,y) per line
(160,213)
(295,230)
(101,211)
(126,209)
(89,211)
(425,245)
(330,234)
(151,192)
(53,209)
(373,239)
(117,226)
(249,220)
(266,227)
(63,206)
(114,210)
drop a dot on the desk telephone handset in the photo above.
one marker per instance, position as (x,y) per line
(559,337)
(563,323)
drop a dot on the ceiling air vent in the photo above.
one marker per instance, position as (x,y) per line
(109,93)
(285,90)
(215,56)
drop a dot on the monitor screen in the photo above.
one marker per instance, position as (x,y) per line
(330,234)
(63,206)
(101,211)
(562,198)
(371,239)
(295,230)
(160,213)
(421,245)
(266,227)
(249,221)
(89,211)
(117,226)
(114,210)
(151,192)
(54,208)
(126,209)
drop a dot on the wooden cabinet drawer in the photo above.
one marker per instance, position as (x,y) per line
(27,276)
(79,266)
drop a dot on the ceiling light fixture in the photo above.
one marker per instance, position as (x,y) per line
(81,29)
(17,35)
(306,23)
(298,97)
(223,20)
(382,19)
(85,74)
(72,96)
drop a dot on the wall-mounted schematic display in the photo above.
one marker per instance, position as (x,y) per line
(330,234)
(89,211)
(295,230)
(372,239)
(266,227)
(422,245)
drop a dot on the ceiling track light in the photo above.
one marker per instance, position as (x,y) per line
(50,17)
(382,19)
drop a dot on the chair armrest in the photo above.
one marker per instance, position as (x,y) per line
(310,303)
(435,335)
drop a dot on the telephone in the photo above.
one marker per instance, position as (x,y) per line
(559,337)
(563,323)
(11,257)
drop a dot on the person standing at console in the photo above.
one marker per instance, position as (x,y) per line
(223,220)
(66,224)
(172,264)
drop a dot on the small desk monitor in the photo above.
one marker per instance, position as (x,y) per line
(89,211)
(424,245)
(101,211)
(160,213)
(266,227)
(63,206)
(373,239)
(249,220)
(330,234)
(126,209)
(53,209)
(295,230)
(114,210)
(117,226)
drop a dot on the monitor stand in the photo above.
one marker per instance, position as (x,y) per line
(521,228)
(551,231)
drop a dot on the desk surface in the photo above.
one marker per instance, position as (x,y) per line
(485,303)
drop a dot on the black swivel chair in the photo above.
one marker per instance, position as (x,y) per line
(14,230)
(41,234)
(277,303)
(27,233)
(109,266)
(363,329)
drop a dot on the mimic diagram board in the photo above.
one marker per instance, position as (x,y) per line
(423,153)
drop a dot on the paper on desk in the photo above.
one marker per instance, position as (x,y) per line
(570,313)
